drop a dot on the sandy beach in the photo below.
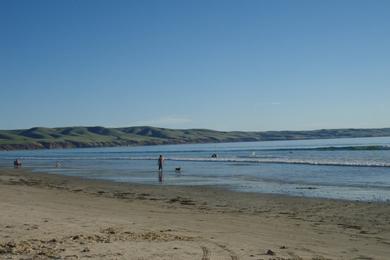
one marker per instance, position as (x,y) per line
(55,217)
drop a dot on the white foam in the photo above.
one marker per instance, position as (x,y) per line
(354,163)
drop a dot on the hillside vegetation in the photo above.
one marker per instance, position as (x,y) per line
(69,137)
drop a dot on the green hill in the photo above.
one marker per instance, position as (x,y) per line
(97,136)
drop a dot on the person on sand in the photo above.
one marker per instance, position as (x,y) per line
(160,163)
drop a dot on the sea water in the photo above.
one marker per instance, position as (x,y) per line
(351,169)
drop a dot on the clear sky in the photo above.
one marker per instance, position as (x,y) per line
(225,65)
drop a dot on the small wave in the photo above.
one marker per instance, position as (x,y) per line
(33,158)
(276,160)
(240,160)
(338,148)
(258,149)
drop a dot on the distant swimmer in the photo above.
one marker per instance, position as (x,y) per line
(58,164)
(214,155)
(17,163)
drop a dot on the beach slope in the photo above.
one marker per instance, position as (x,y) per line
(47,216)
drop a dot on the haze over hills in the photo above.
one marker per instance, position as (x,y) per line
(71,137)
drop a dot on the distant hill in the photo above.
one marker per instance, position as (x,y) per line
(69,137)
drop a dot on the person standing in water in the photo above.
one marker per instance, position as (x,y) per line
(160,162)
(160,167)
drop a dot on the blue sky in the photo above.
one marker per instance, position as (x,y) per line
(225,65)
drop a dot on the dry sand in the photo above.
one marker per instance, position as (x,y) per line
(55,217)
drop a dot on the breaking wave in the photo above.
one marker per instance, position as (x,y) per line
(338,148)
(276,160)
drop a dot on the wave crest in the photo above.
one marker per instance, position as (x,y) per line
(276,160)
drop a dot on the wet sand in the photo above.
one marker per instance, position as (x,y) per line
(56,217)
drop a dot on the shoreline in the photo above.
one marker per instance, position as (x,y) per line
(139,221)
(198,188)
(201,187)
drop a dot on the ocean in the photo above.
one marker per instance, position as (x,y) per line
(350,169)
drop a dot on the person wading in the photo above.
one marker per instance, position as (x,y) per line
(160,162)
(160,167)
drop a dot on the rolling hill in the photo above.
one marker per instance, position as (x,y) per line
(97,136)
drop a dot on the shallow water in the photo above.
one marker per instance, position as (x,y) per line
(352,169)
